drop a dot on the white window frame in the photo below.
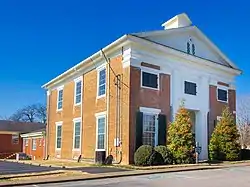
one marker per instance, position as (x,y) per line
(59,123)
(151,71)
(222,88)
(58,90)
(99,69)
(98,116)
(33,140)
(77,120)
(79,79)
(152,111)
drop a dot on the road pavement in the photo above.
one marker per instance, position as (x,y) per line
(228,177)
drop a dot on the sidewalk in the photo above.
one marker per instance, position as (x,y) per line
(118,174)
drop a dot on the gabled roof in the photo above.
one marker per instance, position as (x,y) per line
(20,127)
(192,29)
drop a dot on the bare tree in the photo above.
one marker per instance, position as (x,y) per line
(243,120)
(31,113)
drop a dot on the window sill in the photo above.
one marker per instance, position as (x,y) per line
(58,110)
(222,101)
(101,96)
(76,149)
(58,149)
(100,150)
(146,87)
(77,104)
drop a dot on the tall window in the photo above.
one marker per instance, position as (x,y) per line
(149,129)
(33,144)
(77,134)
(150,80)
(102,82)
(60,99)
(101,132)
(78,92)
(58,136)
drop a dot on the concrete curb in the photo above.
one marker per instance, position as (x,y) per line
(114,175)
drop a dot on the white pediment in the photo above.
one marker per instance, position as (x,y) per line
(177,38)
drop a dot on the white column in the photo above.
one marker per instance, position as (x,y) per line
(201,133)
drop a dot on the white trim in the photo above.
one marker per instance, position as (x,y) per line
(98,116)
(77,120)
(150,110)
(99,69)
(149,70)
(58,124)
(222,88)
(27,135)
(60,87)
(58,90)
(77,80)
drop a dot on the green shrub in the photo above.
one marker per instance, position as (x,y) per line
(142,155)
(224,143)
(165,153)
(180,137)
(155,159)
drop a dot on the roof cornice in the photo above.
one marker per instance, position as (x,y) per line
(86,63)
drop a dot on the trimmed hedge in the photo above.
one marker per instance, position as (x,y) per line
(142,155)
(165,153)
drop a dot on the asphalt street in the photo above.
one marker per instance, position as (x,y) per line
(230,177)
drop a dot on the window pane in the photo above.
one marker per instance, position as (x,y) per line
(101,133)
(222,95)
(149,80)
(77,142)
(100,143)
(190,88)
(78,87)
(59,135)
(15,139)
(58,143)
(102,82)
(148,136)
(78,99)
(77,129)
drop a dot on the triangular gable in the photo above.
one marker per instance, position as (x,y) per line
(177,38)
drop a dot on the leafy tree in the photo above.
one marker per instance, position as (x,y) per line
(180,137)
(224,143)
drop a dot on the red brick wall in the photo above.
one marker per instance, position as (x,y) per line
(37,154)
(144,97)
(6,145)
(216,107)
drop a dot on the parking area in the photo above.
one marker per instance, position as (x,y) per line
(19,168)
(7,168)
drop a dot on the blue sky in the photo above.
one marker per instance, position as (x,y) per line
(41,39)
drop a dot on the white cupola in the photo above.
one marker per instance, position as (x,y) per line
(178,21)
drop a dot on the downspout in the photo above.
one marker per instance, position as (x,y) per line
(47,126)
(81,119)
(107,108)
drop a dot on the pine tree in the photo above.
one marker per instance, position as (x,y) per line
(180,137)
(224,143)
